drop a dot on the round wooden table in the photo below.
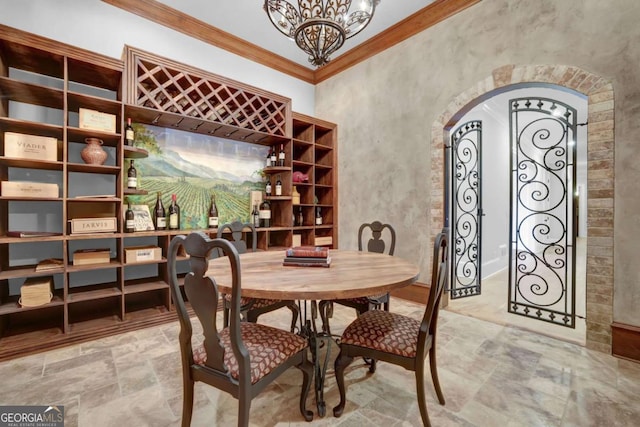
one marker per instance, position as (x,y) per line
(351,274)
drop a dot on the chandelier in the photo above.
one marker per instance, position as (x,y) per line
(320,27)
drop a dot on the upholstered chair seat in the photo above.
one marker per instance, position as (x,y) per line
(268,347)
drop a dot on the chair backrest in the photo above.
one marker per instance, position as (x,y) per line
(237,229)
(202,292)
(439,280)
(376,242)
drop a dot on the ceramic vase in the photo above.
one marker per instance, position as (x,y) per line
(93,153)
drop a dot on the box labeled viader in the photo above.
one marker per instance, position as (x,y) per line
(28,189)
(95,120)
(94,225)
(142,253)
(33,147)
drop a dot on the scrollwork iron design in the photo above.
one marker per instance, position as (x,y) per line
(543,212)
(466,143)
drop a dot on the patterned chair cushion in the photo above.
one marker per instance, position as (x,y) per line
(268,348)
(257,302)
(384,331)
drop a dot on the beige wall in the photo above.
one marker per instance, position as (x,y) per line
(385,108)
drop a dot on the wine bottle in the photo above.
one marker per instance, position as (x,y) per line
(213,213)
(132,176)
(300,217)
(267,188)
(318,216)
(129,134)
(129,218)
(159,214)
(255,216)
(265,214)
(274,158)
(268,161)
(281,156)
(278,186)
(174,214)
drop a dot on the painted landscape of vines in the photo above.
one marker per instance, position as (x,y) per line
(194,167)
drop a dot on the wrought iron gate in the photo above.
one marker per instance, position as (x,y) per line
(543,210)
(466,209)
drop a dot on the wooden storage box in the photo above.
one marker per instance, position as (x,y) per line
(92,256)
(323,240)
(32,147)
(28,189)
(94,225)
(36,291)
(95,120)
(142,253)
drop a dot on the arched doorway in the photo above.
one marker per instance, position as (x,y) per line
(600,174)
(514,184)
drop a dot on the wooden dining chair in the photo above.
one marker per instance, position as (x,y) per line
(241,359)
(252,308)
(399,339)
(362,304)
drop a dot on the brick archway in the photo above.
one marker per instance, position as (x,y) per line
(600,174)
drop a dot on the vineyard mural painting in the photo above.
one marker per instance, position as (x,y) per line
(195,166)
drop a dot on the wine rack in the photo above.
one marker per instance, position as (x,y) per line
(96,300)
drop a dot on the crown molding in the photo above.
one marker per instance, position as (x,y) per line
(169,17)
(427,17)
(190,26)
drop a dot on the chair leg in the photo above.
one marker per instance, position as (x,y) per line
(244,408)
(422,402)
(187,402)
(434,374)
(342,361)
(307,374)
(295,313)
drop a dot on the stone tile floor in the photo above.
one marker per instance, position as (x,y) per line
(491,375)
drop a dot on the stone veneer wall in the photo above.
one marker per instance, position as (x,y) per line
(600,175)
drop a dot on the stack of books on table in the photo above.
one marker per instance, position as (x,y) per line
(307,256)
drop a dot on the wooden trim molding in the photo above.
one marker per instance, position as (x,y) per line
(416,292)
(15,35)
(169,17)
(625,341)
(427,17)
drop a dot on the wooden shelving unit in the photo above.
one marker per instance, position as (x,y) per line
(55,80)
